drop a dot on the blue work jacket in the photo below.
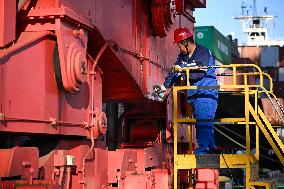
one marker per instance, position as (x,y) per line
(200,57)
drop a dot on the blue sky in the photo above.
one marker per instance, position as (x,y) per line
(220,13)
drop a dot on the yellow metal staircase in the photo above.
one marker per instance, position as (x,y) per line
(248,161)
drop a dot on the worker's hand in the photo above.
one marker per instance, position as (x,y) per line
(164,94)
(151,96)
(178,71)
(177,67)
(154,96)
(159,93)
(159,89)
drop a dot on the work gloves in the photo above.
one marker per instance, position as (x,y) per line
(158,94)
(159,89)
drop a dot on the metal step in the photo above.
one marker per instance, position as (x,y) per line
(187,161)
(268,181)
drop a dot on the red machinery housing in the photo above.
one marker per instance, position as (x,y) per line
(63,64)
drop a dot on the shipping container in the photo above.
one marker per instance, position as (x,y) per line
(269,56)
(227,79)
(269,62)
(281,74)
(273,72)
(264,56)
(281,56)
(251,53)
(278,89)
(211,38)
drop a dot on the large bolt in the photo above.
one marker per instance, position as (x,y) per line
(26,164)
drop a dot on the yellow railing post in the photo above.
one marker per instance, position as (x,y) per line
(234,75)
(248,167)
(256,127)
(175,136)
(187,78)
(245,79)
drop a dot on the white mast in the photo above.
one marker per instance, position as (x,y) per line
(255,28)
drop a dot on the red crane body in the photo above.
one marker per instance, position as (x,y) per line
(63,63)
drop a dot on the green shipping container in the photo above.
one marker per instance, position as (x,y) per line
(219,45)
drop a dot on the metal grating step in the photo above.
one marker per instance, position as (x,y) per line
(208,161)
(187,161)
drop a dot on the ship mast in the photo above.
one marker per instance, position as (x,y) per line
(255,27)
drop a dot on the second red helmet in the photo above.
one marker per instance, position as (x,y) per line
(181,34)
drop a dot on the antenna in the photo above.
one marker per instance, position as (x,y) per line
(254,10)
(265,10)
(256,27)
(243,7)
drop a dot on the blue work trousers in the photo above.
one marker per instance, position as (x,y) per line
(204,108)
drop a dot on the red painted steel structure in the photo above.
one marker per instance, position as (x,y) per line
(60,60)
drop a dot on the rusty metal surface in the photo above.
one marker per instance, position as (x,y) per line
(138,181)
(37,80)
(157,178)
(134,35)
(119,162)
(61,12)
(158,156)
(97,169)
(21,161)
(96,166)
(7,22)
(23,184)
(154,156)
(63,66)
(72,54)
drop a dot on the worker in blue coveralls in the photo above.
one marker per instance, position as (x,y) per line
(203,101)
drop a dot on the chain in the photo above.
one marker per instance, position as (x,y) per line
(140,57)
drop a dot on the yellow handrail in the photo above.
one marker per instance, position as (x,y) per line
(234,67)
(187,161)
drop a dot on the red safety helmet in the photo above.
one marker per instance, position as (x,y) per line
(181,34)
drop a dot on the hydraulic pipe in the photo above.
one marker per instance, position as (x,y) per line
(85,157)
(68,175)
(61,174)
(102,50)
(92,109)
